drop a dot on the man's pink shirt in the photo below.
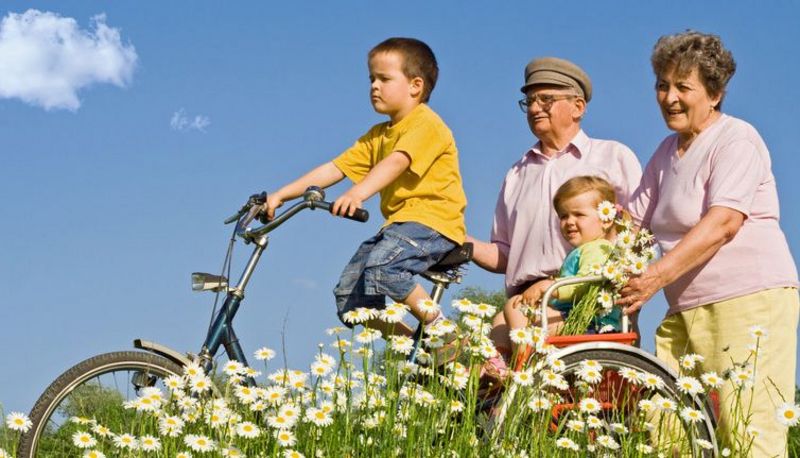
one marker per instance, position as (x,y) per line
(526,226)
(727,165)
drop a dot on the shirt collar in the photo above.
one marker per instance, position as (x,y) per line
(577,147)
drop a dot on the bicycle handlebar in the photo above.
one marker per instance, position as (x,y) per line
(313,198)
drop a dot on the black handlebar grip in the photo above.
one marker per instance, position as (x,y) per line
(360,215)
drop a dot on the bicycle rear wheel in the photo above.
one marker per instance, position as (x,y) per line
(94,389)
(621,399)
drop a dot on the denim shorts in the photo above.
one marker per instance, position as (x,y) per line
(385,264)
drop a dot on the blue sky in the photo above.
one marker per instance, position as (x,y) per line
(120,161)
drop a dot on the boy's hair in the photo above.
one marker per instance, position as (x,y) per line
(418,61)
(579,185)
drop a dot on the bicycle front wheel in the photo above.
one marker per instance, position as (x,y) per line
(92,392)
(659,421)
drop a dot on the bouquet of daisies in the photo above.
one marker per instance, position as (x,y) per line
(633,251)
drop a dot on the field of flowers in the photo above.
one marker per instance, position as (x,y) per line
(360,397)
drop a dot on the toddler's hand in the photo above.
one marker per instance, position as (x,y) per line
(534,293)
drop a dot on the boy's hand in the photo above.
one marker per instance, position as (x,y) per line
(348,203)
(273,201)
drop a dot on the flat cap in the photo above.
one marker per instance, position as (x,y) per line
(560,72)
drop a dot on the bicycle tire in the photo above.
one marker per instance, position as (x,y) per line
(56,398)
(616,360)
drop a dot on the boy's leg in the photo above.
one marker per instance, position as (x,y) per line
(350,292)
(404,250)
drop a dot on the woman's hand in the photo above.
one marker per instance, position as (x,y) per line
(640,289)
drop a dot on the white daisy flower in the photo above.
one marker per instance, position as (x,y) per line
(566,442)
(126,441)
(456,406)
(652,381)
(521,336)
(758,332)
(691,415)
(401,344)
(335,330)
(689,362)
(605,299)
(193,370)
(606,211)
(589,405)
(319,417)
(248,430)
(199,443)
(101,431)
(233,368)
(618,428)
(647,405)
(576,426)
(264,354)
(18,421)
(86,454)
(463,305)
(200,384)
(788,414)
(667,405)
(607,442)
(231,452)
(539,403)
(393,313)
(625,240)
(593,422)
(285,438)
(590,375)
(320,369)
(428,307)
(82,439)
(637,265)
(524,378)
(289,453)
(367,336)
(149,443)
(689,385)
(644,448)
(171,426)
(631,376)
(484,310)
(712,380)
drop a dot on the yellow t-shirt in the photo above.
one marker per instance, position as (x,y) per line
(429,192)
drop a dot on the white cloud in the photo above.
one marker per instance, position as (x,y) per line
(180,121)
(45,59)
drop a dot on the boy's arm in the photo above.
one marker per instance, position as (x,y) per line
(322,176)
(384,172)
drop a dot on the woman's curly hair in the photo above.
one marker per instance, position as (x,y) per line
(683,52)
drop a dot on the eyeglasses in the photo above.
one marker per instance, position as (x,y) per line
(545,100)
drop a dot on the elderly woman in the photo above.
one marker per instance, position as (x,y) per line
(709,196)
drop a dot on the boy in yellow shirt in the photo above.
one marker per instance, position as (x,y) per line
(412,161)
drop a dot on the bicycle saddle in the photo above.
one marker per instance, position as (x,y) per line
(457,256)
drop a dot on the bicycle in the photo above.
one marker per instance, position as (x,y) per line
(617,395)
(122,375)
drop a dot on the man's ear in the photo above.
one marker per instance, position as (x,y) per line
(415,87)
(579,108)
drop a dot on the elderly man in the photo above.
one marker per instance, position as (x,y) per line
(526,243)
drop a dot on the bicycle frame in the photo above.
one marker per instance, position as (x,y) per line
(221,332)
